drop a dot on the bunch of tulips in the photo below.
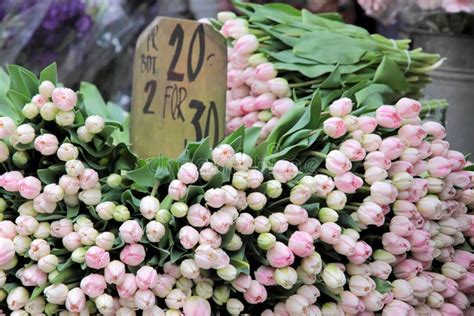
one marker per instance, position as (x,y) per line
(384,225)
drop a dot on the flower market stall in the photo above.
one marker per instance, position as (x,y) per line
(329,194)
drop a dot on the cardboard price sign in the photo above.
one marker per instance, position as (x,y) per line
(179,87)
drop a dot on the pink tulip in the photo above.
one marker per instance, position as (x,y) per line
(233,124)
(401,166)
(46,144)
(370,213)
(235,78)
(279,87)
(132,254)
(334,127)
(93,285)
(407,269)
(456,159)
(408,108)
(387,116)
(265,101)
(439,147)
(377,159)
(64,99)
(301,244)
(439,167)
(144,299)
(397,307)
(435,129)
(130,231)
(345,246)
(188,173)
(280,255)
(395,244)
(348,182)
(234,28)
(259,87)
(97,258)
(196,306)
(330,233)
(367,124)
(210,237)
(32,276)
(295,214)
(353,150)
(75,300)
(350,303)
(247,105)
(215,197)
(146,278)
(340,107)
(256,293)
(243,281)
(265,72)
(188,237)
(128,286)
(284,171)
(312,226)
(281,106)
(7,229)
(337,162)
(11,181)
(401,226)
(114,272)
(177,190)
(7,251)
(264,275)
(383,193)
(413,134)
(392,147)
(29,187)
(362,251)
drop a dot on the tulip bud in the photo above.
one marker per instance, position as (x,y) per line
(228,273)
(105,210)
(333,276)
(78,255)
(94,124)
(179,209)
(327,215)
(453,270)
(30,111)
(234,306)
(208,170)
(163,216)
(336,200)
(114,180)
(266,241)
(285,277)
(48,111)
(221,294)
(64,118)
(17,298)
(121,213)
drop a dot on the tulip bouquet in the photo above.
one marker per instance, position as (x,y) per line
(371,215)
(279,55)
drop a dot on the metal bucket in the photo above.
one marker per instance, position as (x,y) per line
(454,81)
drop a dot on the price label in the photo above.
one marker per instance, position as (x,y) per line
(179,87)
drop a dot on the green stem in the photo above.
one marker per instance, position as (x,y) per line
(431,105)
(351,207)
(279,202)
(364,188)
(304,84)
(317,154)
(263,39)
(327,172)
(155,188)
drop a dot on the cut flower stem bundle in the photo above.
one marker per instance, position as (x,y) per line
(279,55)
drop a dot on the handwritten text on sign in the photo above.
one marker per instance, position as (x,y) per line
(179,84)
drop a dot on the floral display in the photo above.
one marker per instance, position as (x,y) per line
(278,56)
(445,16)
(373,216)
